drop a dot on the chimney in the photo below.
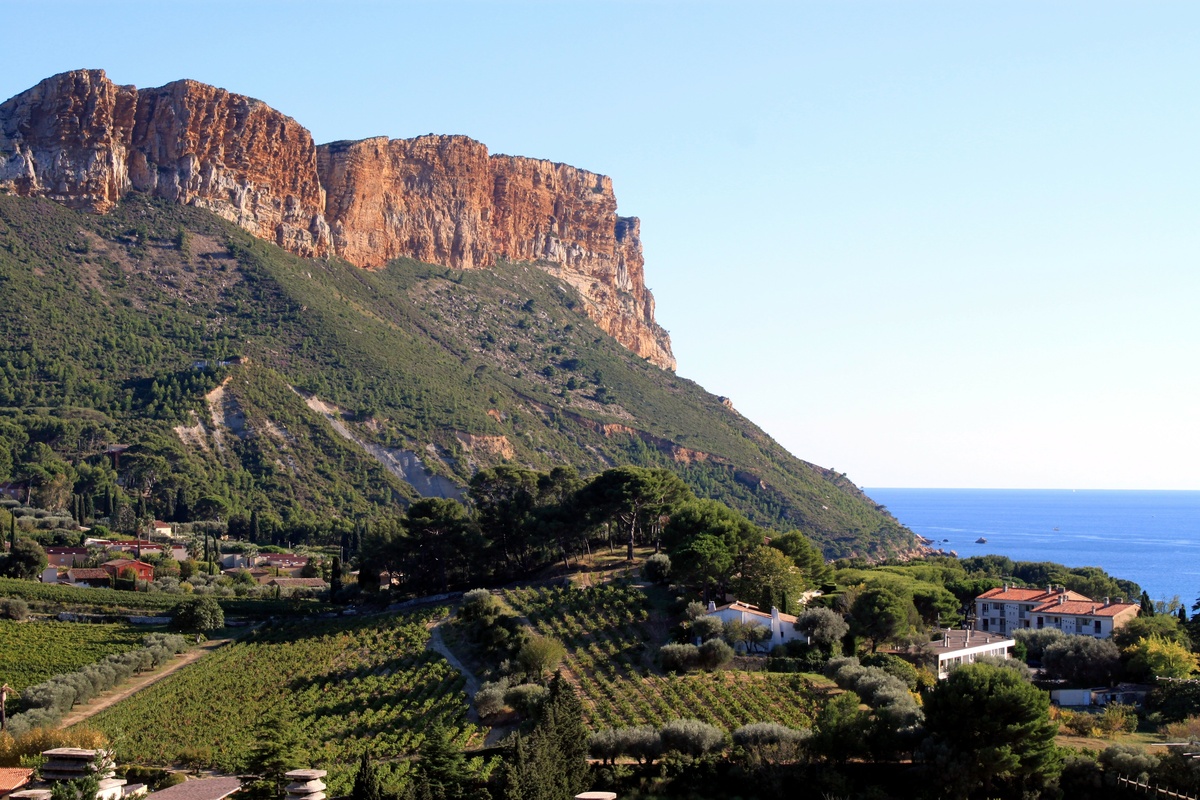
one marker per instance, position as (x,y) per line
(306,784)
(1106,600)
(1062,598)
(946,639)
(712,605)
(774,612)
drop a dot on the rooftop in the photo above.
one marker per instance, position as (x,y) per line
(953,640)
(13,778)
(746,608)
(199,789)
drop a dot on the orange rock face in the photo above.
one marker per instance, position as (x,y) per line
(427,198)
(233,155)
(566,219)
(81,140)
(442,199)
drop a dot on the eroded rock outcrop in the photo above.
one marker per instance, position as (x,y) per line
(84,141)
(234,155)
(80,139)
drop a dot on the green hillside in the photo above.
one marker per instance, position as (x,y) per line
(437,372)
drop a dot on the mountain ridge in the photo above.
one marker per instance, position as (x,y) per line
(82,140)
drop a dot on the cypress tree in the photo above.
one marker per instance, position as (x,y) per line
(90,512)
(1147,605)
(254,527)
(366,781)
(335,579)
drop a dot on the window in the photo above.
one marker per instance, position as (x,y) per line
(1097,627)
(1041,622)
(985,608)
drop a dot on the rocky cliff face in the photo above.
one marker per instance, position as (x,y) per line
(82,140)
(427,198)
(443,199)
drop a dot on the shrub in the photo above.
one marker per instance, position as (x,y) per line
(657,568)
(1123,759)
(489,699)
(13,608)
(895,666)
(763,733)
(714,654)
(478,604)
(694,611)
(691,737)
(679,657)
(707,628)
(526,699)
(641,742)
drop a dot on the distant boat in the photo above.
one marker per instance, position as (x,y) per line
(981,540)
(945,540)
(1056,529)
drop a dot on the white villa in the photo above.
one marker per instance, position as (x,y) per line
(783,626)
(956,648)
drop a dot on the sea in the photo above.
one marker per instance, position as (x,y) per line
(1149,537)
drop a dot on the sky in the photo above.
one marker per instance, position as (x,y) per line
(928,244)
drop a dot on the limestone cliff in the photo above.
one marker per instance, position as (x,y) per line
(233,155)
(82,140)
(427,198)
(443,199)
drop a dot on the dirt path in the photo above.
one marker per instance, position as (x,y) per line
(438,645)
(80,713)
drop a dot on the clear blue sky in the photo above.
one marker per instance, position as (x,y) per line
(925,243)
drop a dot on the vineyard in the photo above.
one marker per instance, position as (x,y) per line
(35,651)
(48,597)
(603,630)
(331,690)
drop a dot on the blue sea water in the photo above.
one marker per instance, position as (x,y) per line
(1151,537)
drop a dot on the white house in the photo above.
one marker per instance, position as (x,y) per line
(956,648)
(1004,610)
(783,626)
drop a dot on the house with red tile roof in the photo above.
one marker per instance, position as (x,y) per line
(1007,609)
(13,778)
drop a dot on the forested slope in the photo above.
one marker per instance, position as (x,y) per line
(104,321)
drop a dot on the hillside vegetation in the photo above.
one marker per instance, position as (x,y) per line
(347,387)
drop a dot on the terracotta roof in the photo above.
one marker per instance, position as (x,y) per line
(124,562)
(13,778)
(199,789)
(88,573)
(1084,608)
(1014,595)
(291,583)
(63,551)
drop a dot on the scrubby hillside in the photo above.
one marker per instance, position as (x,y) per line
(257,379)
